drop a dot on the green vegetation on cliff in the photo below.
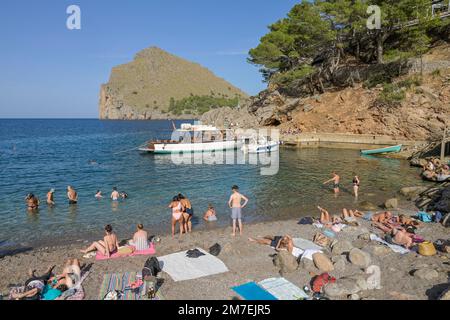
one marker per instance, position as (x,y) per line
(198,105)
(318,36)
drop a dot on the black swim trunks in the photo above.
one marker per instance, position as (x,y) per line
(336,185)
(276,240)
(72,202)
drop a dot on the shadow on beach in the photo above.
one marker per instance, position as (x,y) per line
(12,252)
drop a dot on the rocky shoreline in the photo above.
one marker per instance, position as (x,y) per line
(349,258)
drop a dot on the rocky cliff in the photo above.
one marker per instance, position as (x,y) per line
(419,105)
(143,88)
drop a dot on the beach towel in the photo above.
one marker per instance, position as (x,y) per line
(77,291)
(121,281)
(282,289)
(297,252)
(393,247)
(127,251)
(252,291)
(305,244)
(180,267)
(308,254)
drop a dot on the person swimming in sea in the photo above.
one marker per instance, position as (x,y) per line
(98,194)
(123,195)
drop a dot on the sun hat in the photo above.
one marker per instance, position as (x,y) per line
(52,190)
(426,248)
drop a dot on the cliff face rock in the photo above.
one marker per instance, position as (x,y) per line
(143,88)
(421,115)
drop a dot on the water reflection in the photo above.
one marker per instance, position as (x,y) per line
(73,212)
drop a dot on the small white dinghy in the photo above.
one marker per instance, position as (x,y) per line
(260,145)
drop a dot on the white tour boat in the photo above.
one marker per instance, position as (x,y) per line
(260,145)
(193,138)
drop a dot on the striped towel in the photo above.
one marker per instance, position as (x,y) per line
(121,281)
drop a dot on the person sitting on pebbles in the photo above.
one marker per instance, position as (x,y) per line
(210,214)
(277,242)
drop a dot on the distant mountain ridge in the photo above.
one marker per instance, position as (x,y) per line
(143,88)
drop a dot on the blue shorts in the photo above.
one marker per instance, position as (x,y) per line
(236,213)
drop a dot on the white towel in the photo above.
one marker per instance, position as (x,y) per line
(394,247)
(181,268)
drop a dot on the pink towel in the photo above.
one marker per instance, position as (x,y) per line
(117,255)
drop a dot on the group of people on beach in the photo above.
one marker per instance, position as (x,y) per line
(336,179)
(399,230)
(434,170)
(50,286)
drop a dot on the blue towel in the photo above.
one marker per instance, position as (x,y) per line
(252,291)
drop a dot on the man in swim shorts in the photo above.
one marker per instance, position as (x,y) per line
(115,194)
(336,179)
(236,208)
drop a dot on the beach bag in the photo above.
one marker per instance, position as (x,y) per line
(424,217)
(151,268)
(321,240)
(194,253)
(437,216)
(215,249)
(427,249)
(306,220)
(320,281)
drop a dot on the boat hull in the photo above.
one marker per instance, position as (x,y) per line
(393,149)
(261,148)
(168,148)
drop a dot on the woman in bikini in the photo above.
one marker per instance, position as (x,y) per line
(107,246)
(177,215)
(277,242)
(32,202)
(188,212)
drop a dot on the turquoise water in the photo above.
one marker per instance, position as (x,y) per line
(36,155)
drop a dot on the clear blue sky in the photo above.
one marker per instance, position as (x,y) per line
(47,70)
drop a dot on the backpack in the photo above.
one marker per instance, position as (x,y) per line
(215,249)
(437,216)
(306,220)
(320,281)
(151,268)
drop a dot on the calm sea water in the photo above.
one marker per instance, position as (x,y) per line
(36,155)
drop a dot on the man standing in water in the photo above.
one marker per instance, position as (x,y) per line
(235,204)
(50,199)
(72,195)
(356,183)
(115,195)
(336,179)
